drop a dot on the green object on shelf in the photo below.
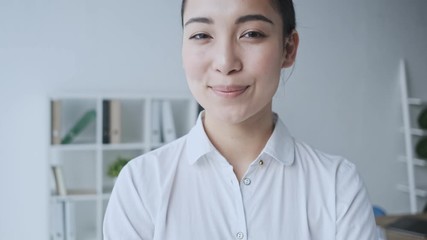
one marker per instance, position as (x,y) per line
(115,168)
(421,148)
(80,125)
(422,119)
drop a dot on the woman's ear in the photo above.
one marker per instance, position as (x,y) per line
(291,47)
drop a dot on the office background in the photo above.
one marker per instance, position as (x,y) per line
(342,97)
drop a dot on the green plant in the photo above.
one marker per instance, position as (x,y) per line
(115,168)
(422,119)
(421,148)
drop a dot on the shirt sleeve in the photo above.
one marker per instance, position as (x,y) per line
(354,214)
(126,216)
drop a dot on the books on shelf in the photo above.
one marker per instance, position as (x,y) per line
(106,121)
(57,212)
(115,121)
(79,126)
(155,123)
(70,220)
(78,183)
(55,108)
(111,121)
(59,180)
(162,122)
(168,123)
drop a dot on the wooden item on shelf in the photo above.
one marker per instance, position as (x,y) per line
(115,121)
(411,226)
(388,222)
(55,122)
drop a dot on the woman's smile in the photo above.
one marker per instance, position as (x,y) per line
(229,91)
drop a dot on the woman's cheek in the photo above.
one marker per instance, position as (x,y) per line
(192,60)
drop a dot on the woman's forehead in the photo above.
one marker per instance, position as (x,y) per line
(227,8)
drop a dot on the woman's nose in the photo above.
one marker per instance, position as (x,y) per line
(226,58)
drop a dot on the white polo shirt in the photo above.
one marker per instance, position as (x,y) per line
(187,190)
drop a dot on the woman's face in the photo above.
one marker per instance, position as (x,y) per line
(233,51)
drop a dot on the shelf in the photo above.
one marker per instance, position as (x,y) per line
(420,192)
(416,161)
(418,132)
(410,109)
(76,197)
(84,161)
(415,131)
(89,235)
(123,146)
(416,102)
(74,147)
(86,147)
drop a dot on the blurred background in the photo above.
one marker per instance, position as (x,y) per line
(343,96)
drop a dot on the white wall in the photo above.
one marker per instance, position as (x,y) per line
(341,98)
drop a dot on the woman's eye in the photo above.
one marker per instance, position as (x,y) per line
(200,36)
(253,34)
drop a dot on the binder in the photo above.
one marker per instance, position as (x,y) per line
(106,121)
(168,124)
(156,123)
(115,121)
(55,122)
(57,211)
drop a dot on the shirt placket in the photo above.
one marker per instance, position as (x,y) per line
(239,229)
(243,191)
(248,185)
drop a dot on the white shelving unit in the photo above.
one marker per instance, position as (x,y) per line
(84,162)
(416,168)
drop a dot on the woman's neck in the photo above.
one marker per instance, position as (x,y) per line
(240,143)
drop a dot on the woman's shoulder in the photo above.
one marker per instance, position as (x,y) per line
(162,155)
(156,165)
(328,170)
(152,171)
(309,155)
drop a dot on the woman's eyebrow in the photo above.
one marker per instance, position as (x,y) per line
(199,20)
(253,17)
(240,20)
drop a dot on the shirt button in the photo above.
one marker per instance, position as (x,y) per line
(246,181)
(240,235)
(261,162)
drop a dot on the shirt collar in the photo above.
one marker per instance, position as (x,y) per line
(198,143)
(280,145)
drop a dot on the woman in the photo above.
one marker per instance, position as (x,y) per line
(238,174)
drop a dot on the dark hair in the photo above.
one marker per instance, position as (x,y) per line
(284,7)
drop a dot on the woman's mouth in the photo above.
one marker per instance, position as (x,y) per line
(230,91)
